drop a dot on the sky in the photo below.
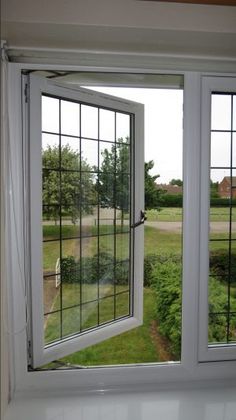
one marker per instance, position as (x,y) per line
(163,127)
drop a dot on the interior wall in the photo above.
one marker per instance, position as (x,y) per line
(123,13)
(151,27)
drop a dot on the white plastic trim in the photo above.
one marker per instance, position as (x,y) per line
(157,375)
(41,354)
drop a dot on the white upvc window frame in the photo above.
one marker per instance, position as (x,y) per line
(209,352)
(38,86)
(190,368)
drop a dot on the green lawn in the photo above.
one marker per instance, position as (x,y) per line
(174,214)
(135,346)
(156,241)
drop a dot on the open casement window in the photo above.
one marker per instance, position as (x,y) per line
(218,220)
(87,197)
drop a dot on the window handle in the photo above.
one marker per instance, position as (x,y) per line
(141,221)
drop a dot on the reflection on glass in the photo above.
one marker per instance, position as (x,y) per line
(71,248)
(106,247)
(70,115)
(217,328)
(106,285)
(51,289)
(89,290)
(70,321)
(122,246)
(106,309)
(221,112)
(52,327)
(70,284)
(89,315)
(50,106)
(232,328)
(106,224)
(51,255)
(220,149)
(69,229)
(122,275)
(122,127)
(122,304)
(89,122)
(107,125)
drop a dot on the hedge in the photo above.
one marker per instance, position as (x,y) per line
(89,269)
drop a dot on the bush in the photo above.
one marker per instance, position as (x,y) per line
(166,280)
(88,271)
(219,264)
(172,200)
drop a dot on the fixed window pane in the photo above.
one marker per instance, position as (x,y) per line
(221,112)
(222,244)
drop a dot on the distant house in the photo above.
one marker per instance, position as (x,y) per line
(225,187)
(170,189)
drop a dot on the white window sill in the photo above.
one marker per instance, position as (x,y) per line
(205,403)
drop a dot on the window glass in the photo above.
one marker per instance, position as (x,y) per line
(86,203)
(98,243)
(222,246)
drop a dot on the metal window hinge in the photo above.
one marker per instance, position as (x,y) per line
(26,92)
(29,352)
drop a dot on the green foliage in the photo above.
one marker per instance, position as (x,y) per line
(172,200)
(153,195)
(166,280)
(113,184)
(75,193)
(221,202)
(178,182)
(218,303)
(89,270)
(219,264)
(214,189)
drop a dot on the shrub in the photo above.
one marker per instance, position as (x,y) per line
(219,264)
(172,200)
(88,271)
(166,280)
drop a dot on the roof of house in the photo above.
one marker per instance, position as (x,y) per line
(228,179)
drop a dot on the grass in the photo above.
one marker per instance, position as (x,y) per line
(135,346)
(174,214)
(155,241)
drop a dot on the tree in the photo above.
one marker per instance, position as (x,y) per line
(178,182)
(214,189)
(66,192)
(153,195)
(113,184)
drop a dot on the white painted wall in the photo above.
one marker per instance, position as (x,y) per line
(123,13)
(121,25)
